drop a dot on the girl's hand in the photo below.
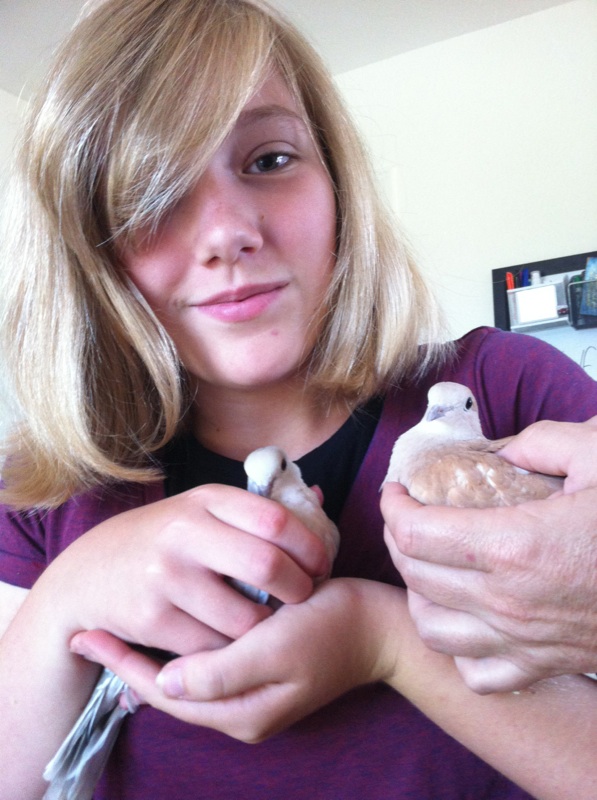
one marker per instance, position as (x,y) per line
(301,658)
(154,575)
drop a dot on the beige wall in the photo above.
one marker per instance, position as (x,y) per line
(486,146)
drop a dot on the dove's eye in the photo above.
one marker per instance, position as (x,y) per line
(283,464)
(469,403)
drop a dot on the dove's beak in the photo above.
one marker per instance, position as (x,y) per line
(437,412)
(259,488)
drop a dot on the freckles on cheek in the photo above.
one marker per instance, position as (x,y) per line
(150,298)
(138,270)
(153,280)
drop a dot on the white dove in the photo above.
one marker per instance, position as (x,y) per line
(446,460)
(271,474)
(76,768)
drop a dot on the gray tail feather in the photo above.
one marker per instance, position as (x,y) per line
(76,768)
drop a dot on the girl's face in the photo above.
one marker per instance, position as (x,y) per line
(238,271)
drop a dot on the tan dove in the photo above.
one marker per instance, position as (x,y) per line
(446,460)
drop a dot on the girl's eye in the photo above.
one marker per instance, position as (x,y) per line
(269,162)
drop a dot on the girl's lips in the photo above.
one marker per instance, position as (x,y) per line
(241,305)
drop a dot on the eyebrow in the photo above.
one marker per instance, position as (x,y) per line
(268,112)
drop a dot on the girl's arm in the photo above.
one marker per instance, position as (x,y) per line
(351,632)
(542,738)
(11,599)
(43,690)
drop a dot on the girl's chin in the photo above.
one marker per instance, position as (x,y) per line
(254,382)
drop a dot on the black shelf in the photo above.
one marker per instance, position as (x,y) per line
(551,266)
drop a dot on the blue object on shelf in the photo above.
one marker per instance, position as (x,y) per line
(588,304)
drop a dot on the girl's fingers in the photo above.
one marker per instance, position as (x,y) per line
(266,520)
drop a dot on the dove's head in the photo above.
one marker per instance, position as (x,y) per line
(454,405)
(266,466)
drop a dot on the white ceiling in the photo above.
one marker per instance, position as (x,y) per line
(349,33)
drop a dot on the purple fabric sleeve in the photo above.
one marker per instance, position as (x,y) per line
(29,541)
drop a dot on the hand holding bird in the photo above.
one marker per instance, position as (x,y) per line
(75,769)
(505,590)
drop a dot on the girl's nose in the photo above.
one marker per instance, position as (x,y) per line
(225,223)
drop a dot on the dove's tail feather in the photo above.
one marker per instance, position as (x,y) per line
(75,769)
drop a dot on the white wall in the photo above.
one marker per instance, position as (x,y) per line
(10,115)
(486,146)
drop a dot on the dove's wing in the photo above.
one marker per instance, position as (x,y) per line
(473,478)
(305,503)
(252,592)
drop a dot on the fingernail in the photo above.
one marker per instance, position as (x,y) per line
(169,681)
(130,700)
(79,647)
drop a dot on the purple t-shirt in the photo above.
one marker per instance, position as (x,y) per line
(371,743)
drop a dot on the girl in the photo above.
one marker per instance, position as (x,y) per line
(198,266)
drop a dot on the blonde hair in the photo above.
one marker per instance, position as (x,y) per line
(141,95)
